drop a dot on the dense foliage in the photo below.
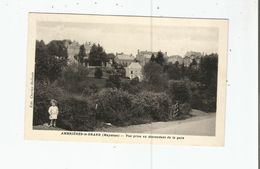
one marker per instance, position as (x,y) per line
(50,60)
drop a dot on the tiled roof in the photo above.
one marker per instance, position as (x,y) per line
(135,65)
(124,57)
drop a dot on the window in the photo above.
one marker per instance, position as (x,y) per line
(131,72)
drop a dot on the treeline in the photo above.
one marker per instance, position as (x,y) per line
(52,58)
(200,78)
(97,56)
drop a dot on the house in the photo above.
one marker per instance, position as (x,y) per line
(190,56)
(143,57)
(175,58)
(73,49)
(124,59)
(134,70)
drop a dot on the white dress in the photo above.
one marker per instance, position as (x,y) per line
(53,111)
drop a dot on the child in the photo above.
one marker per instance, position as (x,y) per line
(53,111)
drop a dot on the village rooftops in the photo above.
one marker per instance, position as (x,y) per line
(135,65)
(175,56)
(122,56)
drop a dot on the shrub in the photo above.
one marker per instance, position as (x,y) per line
(113,106)
(113,81)
(179,90)
(98,73)
(43,93)
(153,74)
(76,113)
(134,81)
(72,76)
(130,88)
(90,90)
(149,105)
(202,100)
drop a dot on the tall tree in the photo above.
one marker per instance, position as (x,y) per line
(209,69)
(154,76)
(159,58)
(152,58)
(173,71)
(81,55)
(97,55)
(50,60)
(98,73)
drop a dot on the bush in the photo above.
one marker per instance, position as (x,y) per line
(72,76)
(149,105)
(76,114)
(134,81)
(179,90)
(113,106)
(98,73)
(90,90)
(121,108)
(132,88)
(43,93)
(201,100)
(153,74)
(113,81)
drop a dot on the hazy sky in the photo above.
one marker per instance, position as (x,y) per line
(129,38)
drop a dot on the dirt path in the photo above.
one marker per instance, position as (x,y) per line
(45,127)
(200,124)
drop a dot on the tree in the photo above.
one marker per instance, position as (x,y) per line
(113,81)
(97,56)
(183,71)
(173,71)
(154,75)
(72,75)
(81,55)
(134,81)
(179,91)
(159,58)
(58,49)
(50,59)
(152,58)
(209,69)
(208,77)
(111,56)
(98,73)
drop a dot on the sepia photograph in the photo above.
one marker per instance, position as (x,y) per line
(128,75)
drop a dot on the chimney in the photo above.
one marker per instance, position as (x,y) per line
(138,51)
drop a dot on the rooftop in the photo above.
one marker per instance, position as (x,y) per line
(135,65)
(123,56)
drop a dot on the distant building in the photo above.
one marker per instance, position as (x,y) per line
(190,56)
(124,59)
(73,49)
(143,57)
(88,46)
(134,70)
(175,58)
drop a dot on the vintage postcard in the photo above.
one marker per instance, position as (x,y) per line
(126,79)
